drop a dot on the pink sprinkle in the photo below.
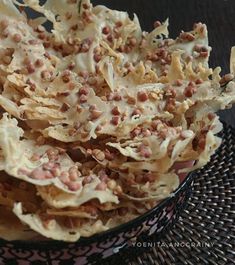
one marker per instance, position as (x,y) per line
(17,37)
(64,178)
(136,112)
(34,42)
(30,68)
(73,186)
(142,96)
(48,166)
(136,132)
(115,111)
(84,91)
(38,173)
(145,151)
(101,186)
(87,180)
(116,96)
(103,176)
(106,30)
(115,120)
(97,57)
(179,82)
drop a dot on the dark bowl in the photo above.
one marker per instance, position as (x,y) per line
(100,246)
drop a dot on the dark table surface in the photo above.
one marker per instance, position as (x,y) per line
(218,15)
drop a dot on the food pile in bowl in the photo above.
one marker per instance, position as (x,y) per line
(96,114)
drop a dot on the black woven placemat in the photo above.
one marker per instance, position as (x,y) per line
(205,231)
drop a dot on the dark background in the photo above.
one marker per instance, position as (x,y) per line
(219,15)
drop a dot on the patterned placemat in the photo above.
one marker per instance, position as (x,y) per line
(205,231)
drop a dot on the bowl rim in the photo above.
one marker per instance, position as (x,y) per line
(112,232)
